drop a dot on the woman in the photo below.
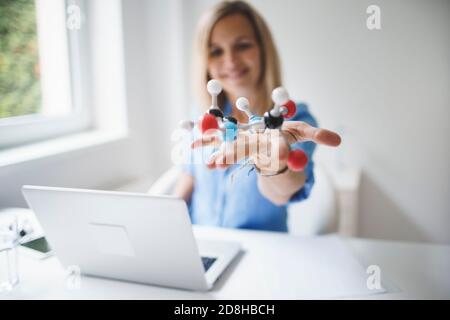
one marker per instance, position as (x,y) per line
(234,46)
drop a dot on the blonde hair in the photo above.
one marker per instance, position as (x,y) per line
(270,76)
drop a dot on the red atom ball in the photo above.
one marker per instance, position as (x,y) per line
(292,109)
(208,122)
(297,160)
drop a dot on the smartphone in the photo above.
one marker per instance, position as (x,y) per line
(38,248)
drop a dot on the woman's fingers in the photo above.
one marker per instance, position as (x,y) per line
(327,137)
(212,138)
(301,131)
(294,131)
(230,152)
(267,149)
(211,162)
(207,140)
(233,152)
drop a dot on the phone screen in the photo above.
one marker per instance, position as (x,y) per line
(39,244)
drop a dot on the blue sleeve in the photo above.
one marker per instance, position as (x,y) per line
(308,147)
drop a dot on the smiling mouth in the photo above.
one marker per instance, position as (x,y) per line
(235,75)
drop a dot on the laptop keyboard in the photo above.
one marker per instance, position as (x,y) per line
(207,262)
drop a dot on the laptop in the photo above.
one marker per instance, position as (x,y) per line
(128,236)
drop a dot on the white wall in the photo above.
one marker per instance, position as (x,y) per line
(386,90)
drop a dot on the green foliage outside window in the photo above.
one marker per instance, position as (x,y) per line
(20,91)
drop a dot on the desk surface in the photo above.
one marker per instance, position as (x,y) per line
(413,270)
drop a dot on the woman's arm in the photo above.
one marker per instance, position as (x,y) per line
(184,186)
(277,183)
(280,188)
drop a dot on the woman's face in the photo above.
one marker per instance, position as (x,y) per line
(234,55)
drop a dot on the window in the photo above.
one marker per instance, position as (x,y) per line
(43,70)
(20,89)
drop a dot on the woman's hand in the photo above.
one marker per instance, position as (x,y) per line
(268,149)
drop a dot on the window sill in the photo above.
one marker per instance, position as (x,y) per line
(59,146)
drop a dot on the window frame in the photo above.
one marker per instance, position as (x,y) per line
(20,130)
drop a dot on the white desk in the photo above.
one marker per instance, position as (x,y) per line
(416,270)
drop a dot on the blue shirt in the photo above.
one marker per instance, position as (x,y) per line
(219,200)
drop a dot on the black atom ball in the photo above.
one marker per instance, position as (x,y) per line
(216,113)
(272,122)
(231,119)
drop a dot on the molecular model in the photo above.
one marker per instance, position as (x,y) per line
(283,108)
